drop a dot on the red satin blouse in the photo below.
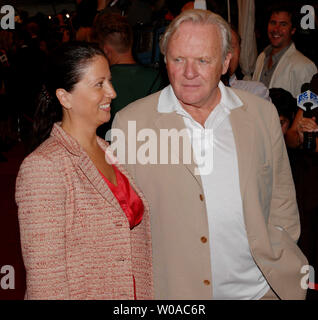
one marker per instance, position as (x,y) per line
(128,199)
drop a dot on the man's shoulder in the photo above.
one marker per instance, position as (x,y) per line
(254,87)
(263,53)
(253,103)
(141,108)
(298,58)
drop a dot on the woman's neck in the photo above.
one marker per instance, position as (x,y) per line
(84,135)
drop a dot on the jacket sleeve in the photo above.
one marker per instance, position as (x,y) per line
(284,210)
(40,196)
(303,74)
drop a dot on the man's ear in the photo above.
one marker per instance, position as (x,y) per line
(108,51)
(293,31)
(226,62)
(64,98)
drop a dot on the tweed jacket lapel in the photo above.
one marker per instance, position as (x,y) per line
(243,130)
(174,121)
(85,164)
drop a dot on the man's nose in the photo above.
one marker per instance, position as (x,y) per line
(276,27)
(190,70)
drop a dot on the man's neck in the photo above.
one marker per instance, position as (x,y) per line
(124,58)
(200,114)
(277,50)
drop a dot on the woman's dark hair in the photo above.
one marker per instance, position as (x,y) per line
(65,69)
(284,102)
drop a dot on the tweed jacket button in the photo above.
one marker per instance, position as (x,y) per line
(201,197)
(206,282)
(120,259)
(204,239)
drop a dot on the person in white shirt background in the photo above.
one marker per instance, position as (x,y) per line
(281,65)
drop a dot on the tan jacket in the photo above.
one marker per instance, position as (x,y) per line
(181,255)
(76,241)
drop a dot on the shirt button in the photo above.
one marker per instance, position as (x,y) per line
(204,239)
(201,197)
(206,282)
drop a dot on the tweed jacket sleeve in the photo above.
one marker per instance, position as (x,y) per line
(40,197)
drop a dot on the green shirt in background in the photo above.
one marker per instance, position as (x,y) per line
(131,82)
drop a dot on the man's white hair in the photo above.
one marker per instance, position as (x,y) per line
(202,17)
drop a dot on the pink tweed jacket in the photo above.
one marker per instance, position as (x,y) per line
(76,241)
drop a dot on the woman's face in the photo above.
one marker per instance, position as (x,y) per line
(89,101)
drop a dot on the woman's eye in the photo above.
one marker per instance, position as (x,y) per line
(100,84)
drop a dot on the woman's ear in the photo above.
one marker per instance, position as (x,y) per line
(64,98)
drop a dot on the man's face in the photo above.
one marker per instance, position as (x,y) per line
(284,122)
(280,30)
(236,50)
(194,64)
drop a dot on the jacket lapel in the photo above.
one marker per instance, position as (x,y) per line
(282,64)
(82,161)
(171,121)
(243,130)
(90,171)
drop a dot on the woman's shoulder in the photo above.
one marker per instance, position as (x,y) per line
(41,171)
(49,153)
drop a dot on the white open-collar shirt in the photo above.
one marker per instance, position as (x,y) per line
(234,272)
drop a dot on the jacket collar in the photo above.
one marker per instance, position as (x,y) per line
(69,142)
(243,127)
(168,101)
(85,164)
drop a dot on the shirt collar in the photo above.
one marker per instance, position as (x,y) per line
(169,103)
(279,54)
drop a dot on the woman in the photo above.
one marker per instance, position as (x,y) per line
(84,226)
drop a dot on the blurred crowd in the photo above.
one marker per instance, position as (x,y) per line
(24,52)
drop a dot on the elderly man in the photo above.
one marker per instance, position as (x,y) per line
(281,65)
(229,232)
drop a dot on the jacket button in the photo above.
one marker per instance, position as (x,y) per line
(201,197)
(204,239)
(206,282)
(120,259)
